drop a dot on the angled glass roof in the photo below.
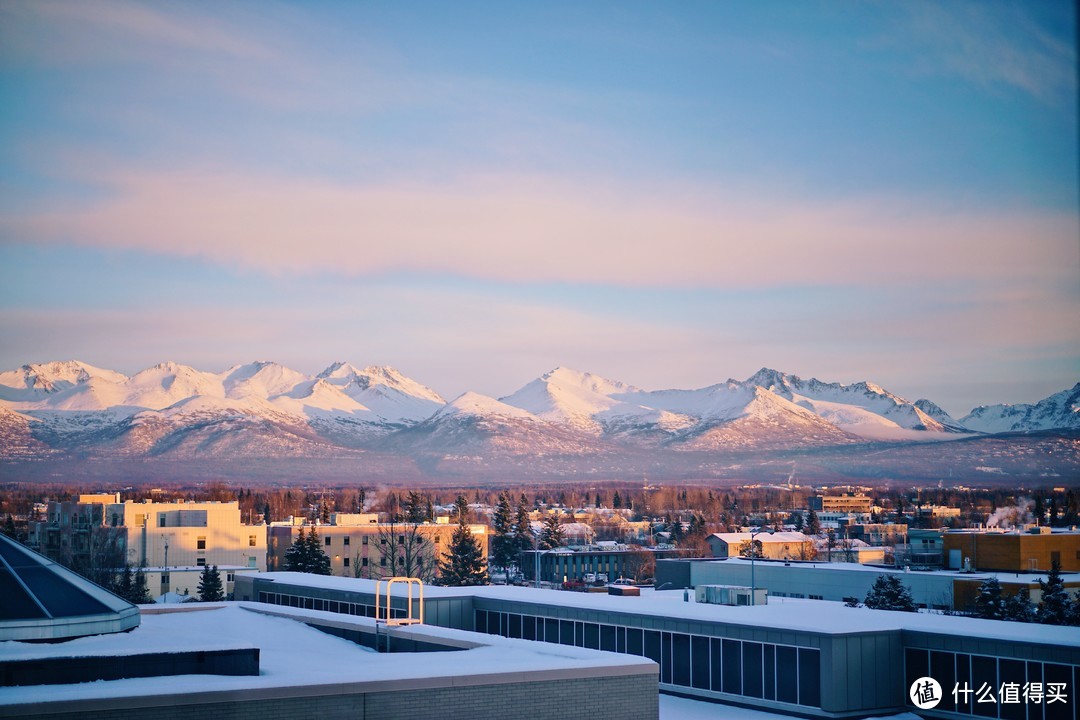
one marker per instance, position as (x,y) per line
(44,600)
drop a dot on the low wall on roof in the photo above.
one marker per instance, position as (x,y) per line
(64,670)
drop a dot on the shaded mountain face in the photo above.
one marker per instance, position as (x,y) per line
(266,410)
(1059,411)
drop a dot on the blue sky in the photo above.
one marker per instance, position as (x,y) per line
(666,194)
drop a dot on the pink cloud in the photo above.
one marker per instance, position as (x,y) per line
(530,229)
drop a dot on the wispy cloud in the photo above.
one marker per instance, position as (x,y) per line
(530,229)
(994,44)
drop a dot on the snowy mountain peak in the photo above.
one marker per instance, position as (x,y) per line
(1060,410)
(472,404)
(769,378)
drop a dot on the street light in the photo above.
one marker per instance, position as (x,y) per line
(753,554)
(168,585)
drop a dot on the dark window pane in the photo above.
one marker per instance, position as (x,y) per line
(528,627)
(751,657)
(983,678)
(652,645)
(635,642)
(620,640)
(810,677)
(787,673)
(716,670)
(769,682)
(1011,672)
(551,630)
(665,654)
(515,626)
(607,638)
(566,632)
(963,680)
(916,665)
(680,659)
(1034,675)
(592,636)
(1056,709)
(699,662)
(943,669)
(481,621)
(732,667)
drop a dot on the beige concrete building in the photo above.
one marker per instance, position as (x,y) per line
(171,541)
(358,545)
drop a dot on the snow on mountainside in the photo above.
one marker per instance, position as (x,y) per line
(264,409)
(478,424)
(1061,410)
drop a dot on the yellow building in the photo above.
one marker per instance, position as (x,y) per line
(1034,550)
(370,549)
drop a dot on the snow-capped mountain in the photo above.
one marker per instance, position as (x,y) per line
(474,424)
(1061,410)
(266,410)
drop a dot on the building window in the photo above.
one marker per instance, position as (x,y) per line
(251,541)
(383,562)
(200,543)
(251,561)
(365,540)
(346,562)
(161,519)
(229,577)
(164,579)
(437,538)
(200,562)
(345,541)
(326,541)
(363,562)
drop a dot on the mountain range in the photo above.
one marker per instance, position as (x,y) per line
(564,422)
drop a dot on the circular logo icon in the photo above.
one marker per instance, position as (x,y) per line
(925,693)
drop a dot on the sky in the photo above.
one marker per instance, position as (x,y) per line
(666,194)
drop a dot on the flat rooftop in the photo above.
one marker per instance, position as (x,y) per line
(292,655)
(819,616)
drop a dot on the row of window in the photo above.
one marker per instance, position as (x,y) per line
(335,606)
(346,540)
(992,687)
(737,667)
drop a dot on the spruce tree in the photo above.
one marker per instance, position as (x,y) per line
(989,603)
(813,525)
(296,555)
(503,543)
(888,593)
(1018,607)
(523,533)
(463,565)
(318,560)
(552,535)
(797,521)
(616,501)
(1054,606)
(140,593)
(210,588)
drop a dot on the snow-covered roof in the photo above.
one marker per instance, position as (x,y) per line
(763,537)
(291,655)
(820,616)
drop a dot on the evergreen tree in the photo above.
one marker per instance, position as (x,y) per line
(415,508)
(552,535)
(1054,608)
(616,501)
(318,560)
(461,508)
(888,593)
(989,604)
(296,559)
(140,594)
(797,521)
(1018,607)
(597,503)
(306,555)
(125,584)
(463,565)
(813,525)
(9,528)
(210,588)
(523,534)
(504,548)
